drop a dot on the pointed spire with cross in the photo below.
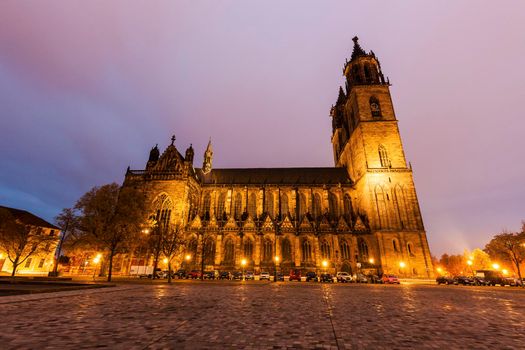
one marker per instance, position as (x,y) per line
(172,139)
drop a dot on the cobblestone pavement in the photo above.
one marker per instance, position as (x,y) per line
(262,315)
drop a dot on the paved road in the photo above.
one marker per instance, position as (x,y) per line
(195,315)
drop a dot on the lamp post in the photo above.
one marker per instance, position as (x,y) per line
(243,263)
(96,260)
(402,267)
(469,263)
(188,259)
(275,270)
(495,266)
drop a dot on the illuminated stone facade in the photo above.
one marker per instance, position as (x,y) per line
(360,216)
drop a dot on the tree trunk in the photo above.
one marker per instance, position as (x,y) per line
(55,268)
(519,273)
(15,265)
(169,271)
(111,254)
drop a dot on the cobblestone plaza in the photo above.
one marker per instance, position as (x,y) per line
(260,315)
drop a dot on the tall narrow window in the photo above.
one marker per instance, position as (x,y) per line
(207,205)
(332,202)
(28,262)
(248,249)
(229,251)
(325,250)
(348,207)
(269,203)
(285,210)
(410,249)
(395,245)
(345,250)
(302,204)
(252,205)
(221,204)
(316,205)
(209,251)
(375,108)
(363,250)
(238,206)
(307,251)
(383,157)
(286,250)
(268,250)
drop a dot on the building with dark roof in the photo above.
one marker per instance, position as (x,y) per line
(362,215)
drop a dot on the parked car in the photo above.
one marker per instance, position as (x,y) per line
(249,275)
(326,277)
(225,275)
(311,276)
(492,277)
(514,282)
(375,279)
(360,278)
(445,280)
(344,277)
(390,279)
(210,275)
(237,275)
(280,277)
(464,280)
(479,281)
(295,275)
(264,276)
(180,274)
(194,274)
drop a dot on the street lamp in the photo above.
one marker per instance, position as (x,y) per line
(469,263)
(165,260)
(96,260)
(275,270)
(402,265)
(505,272)
(243,263)
(495,266)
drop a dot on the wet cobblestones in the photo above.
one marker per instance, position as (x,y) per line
(266,316)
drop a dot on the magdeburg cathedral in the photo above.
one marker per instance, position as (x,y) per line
(362,215)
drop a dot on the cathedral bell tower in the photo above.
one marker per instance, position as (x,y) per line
(208,156)
(366,141)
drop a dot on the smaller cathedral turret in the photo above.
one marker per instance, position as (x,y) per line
(189,154)
(208,156)
(154,155)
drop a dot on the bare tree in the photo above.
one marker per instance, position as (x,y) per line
(67,220)
(172,244)
(20,241)
(112,217)
(508,247)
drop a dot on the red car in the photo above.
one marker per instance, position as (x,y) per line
(194,274)
(390,279)
(295,275)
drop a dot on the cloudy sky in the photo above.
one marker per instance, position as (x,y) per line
(86,89)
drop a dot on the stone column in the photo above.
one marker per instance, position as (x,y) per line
(297,251)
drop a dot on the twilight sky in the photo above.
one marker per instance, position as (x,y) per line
(87,88)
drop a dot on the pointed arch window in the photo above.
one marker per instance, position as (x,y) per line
(410,249)
(395,245)
(332,203)
(238,206)
(383,157)
(307,251)
(302,204)
(192,249)
(348,207)
(221,205)
(363,250)
(163,206)
(286,250)
(268,250)
(269,204)
(345,250)
(209,251)
(375,107)
(285,210)
(252,205)
(206,206)
(229,251)
(248,249)
(316,205)
(325,250)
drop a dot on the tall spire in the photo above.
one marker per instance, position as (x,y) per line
(208,156)
(358,50)
(342,96)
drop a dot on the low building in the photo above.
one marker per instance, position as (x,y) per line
(38,263)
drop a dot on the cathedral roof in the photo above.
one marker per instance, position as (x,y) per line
(285,176)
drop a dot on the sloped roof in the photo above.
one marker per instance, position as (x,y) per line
(28,218)
(277,176)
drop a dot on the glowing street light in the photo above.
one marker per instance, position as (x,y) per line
(505,272)
(276,258)
(371,261)
(243,263)
(402,264)
(495,266)
(188,257)
(165,260)
(325,263)
(439,269)
(145,231)
(96,260)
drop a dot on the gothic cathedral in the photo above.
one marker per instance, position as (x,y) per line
(362,215)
